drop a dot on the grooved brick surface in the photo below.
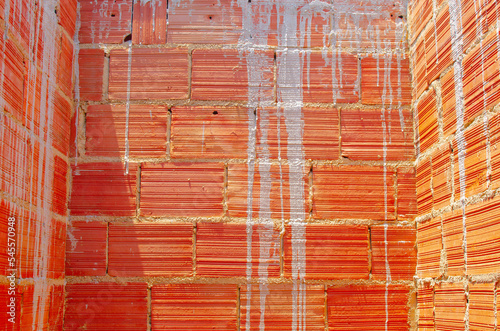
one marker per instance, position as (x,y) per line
(425,306)
(107,132)
(271,182)
(365,307)
(429,245)
(407,196)
(276,312)
(194,307)
(482,306)
(424,192)
(150,250)
(393,252)
(221,250)
(219,74)
(377,135)
(155,73)
(106,306)
(91,67)
(86,248)
(449,311)
(103,189)
(331,251)
(442,177)
(353,192)
(453,242)
(385,80)
(182,189)
(427,121)
(150,23)
(103,22)
(483,247)
(209,132)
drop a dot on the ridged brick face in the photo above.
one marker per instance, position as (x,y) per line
(454,50)
(37,51)
(243,165)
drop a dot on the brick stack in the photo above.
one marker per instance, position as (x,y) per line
(454,47)
(250,166)
(36,105)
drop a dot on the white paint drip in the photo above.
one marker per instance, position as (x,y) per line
(455,9)
(127,107)
(76,77)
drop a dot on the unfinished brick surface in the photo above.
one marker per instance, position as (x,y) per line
(182,189)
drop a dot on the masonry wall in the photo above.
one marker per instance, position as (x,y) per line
(454,47)
(242,165)
(36,103)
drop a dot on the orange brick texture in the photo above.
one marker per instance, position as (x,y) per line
(36,107)
(455,70)
(242,165)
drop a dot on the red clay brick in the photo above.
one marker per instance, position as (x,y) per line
(103,22)
(103,189)
(182,189)
(155,73)
(61,123)
(150,250)
(331,251)
(367,133)
(407,196)
(431,55)
(194,307)
(270,193)
(368,307)
(453,232)
(477,18)
(221,74)
(385,81)
(429,246)
(365,192)
(448,101)
(272,306)
(476,179)
(56,309)
(106,306)
(420,13)
(442,177)
(209,132)
(424,192)
(420,80)
(67,15)
(483,247)
(65,65)
(91,67)
(204,22)
(56,249)
(449,308)
(425,306)
(8,209)
(380,26)
(428,133)
(329,77)
(393,250)
(482,306)
(28,223)
(106,130)
(16,160)
(13,81)
(86,248)
(480,78)
(150,22)
(494,132)
(222,250)
(320,134)
(444,56)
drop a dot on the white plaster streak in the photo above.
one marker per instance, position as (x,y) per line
(76,77)
(388,278)
(290,100)
(127,107)
(46,167)
(455,9)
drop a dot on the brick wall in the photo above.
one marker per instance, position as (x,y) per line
(253,162)
(36,104)
(454,55)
